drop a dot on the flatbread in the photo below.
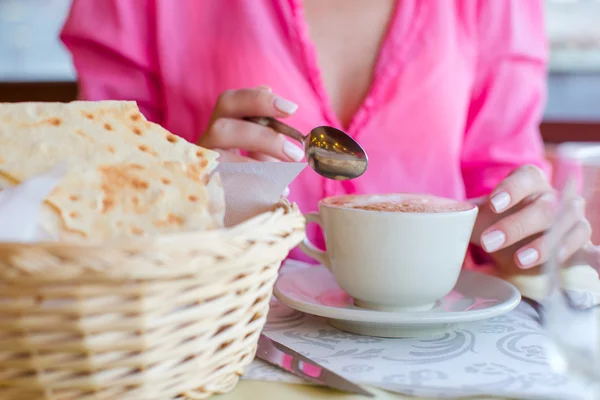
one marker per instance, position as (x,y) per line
(127,176)
(83,128)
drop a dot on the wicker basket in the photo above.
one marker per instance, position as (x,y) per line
(150,319)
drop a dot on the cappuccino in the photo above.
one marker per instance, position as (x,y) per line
(400,203)
(393,252)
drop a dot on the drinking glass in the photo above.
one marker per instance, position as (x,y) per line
(570,318)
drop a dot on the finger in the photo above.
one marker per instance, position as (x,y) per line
(522,183)
(571,212)
(562,229)
(536,217)
(230,156)
(286,192)
(228,133)
(574,240)
(537,253)
(262,157)
(591,255)
(252,102)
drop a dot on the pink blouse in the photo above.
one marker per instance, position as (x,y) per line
(454,106)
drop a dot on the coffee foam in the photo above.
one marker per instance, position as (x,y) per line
(409,203)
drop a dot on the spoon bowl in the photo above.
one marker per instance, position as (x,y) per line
(329,151)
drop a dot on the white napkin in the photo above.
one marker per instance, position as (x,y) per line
(504,356)
(252,188)
(20,206)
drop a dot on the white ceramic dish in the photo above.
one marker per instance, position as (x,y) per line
(476,297)
(385,260)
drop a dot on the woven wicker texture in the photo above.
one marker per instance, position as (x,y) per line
(150,319)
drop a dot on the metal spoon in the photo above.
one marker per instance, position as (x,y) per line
(329,151)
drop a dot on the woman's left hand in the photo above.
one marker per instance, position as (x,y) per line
(512,223)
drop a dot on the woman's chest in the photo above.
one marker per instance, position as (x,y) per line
(418,92)
(346,36)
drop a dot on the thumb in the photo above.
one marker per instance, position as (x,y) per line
(591,254)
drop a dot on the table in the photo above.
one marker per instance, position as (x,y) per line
(579,277)
(255,390)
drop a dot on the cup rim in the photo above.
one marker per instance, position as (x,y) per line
(322,202)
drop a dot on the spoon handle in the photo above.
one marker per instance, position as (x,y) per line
(278,126)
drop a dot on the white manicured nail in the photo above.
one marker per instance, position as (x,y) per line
(500,201)
(563,254)
(286,192)
(285,105)
(528,257)
(549,197)
(294,152)
(493,240)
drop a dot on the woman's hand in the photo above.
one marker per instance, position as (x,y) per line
(228,132)
(512,223)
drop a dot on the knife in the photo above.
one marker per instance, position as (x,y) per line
(285,358)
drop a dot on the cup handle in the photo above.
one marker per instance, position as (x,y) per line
(310,249)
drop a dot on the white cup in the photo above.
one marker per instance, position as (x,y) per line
(392,261)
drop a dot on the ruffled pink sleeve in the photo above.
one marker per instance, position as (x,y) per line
(508,95)
(111,42)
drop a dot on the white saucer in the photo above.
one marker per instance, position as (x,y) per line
(476,296)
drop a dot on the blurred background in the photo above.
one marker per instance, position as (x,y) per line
(35,67)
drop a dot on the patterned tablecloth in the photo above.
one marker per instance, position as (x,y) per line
(502,356)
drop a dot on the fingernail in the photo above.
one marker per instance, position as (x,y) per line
(500,201)
(219,124)
(563,254)
(294,152)
(550,197)
(286,192)
(528,257)
(285,105)
(493,240)
(265,88)
(580,206)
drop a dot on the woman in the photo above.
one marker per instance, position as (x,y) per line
(445,96)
